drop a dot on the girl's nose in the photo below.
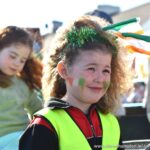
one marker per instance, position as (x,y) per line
(17,62)
(99,77)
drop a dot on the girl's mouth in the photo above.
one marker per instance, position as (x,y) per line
(96,89)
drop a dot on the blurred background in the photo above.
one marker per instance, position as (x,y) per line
(44,14)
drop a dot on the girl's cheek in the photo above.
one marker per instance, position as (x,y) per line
(106,85)
(88,75)
(76,82)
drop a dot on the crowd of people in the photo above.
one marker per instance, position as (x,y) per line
(68,97)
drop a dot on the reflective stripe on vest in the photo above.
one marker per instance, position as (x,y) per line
(70,136)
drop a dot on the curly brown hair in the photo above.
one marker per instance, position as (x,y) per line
(54,86)
(32,71)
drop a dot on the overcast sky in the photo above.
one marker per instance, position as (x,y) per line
(34,13)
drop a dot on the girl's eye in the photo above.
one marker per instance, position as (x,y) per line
(107,71)
(12,56)
(22,61)
(91,69)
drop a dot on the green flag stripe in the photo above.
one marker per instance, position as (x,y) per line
(117,26)
(137,36)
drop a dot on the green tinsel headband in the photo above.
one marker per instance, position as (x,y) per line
(78,38)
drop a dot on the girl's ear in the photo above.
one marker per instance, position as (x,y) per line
(62,70)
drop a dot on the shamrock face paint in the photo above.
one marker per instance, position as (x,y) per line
(106,85)
(81,82)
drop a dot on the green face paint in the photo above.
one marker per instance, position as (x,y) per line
(81,82)
(106,85)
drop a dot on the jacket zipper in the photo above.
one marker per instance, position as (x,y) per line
(91,125)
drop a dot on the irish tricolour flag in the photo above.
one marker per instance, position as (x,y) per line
(133,35)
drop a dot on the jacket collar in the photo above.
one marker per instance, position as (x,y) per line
(56,103)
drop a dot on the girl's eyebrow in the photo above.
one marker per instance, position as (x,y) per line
(12,52)
(95,64)
(108,66)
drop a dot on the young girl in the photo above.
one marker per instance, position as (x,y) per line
(20,75)
(83,77)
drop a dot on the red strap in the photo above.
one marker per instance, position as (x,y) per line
(41,121)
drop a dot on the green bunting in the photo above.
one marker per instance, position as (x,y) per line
(106,85)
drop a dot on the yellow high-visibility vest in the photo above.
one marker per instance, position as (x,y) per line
(70,136)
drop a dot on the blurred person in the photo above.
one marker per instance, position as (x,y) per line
(20,76)
(138,93)
(148,101)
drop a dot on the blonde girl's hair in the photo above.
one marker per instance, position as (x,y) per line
(62,49)
(32,71)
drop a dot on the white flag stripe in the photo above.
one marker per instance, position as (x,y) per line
(132,28)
